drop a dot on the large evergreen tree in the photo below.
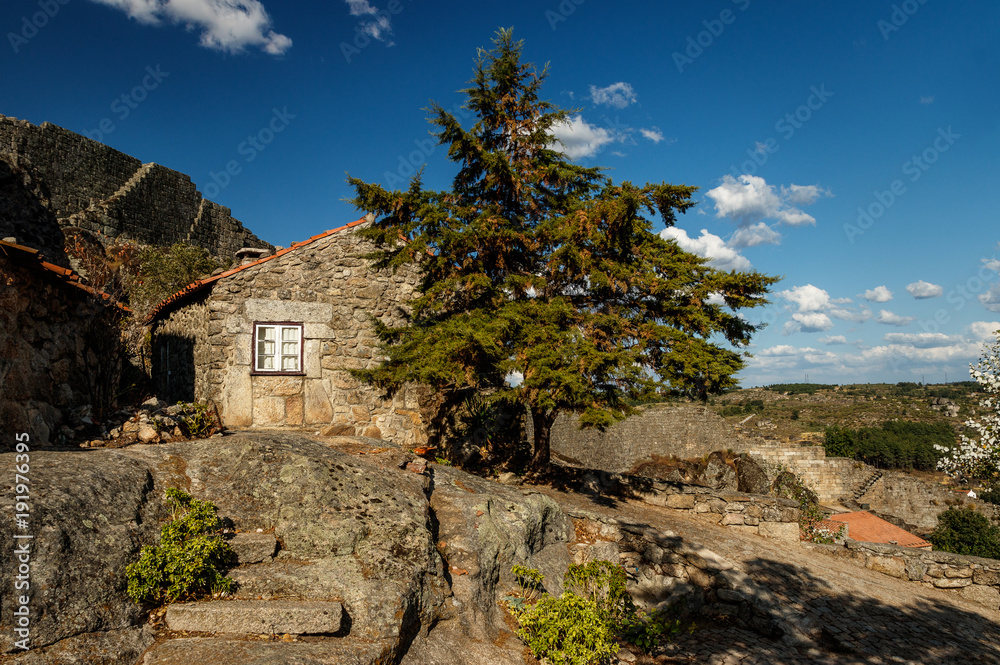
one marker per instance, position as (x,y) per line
(538,267)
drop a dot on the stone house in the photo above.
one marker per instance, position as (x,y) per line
(59,359)
(269,342)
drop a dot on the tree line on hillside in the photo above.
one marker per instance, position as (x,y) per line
(894,444)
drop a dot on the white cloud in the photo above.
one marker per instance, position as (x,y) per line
(708,245)
(927,100)
(922,340)
(785,350)
(888,318)
(378,29)
(654,134)
(226,25)
(811,321)
(618,95)
(991,299)
(833,340)
(804,195)
(578,138)
(854,315)
(992,264)
(756,234)
(984,331)
(809,298)
(922,289)
(878,294)
(750,198)
(360,7)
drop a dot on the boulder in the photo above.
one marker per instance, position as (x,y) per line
(90,514)
(750,476)
(719,475)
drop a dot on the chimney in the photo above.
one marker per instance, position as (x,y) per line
(250,254)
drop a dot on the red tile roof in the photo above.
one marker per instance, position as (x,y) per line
(868,528)
(34,258)
(199,284)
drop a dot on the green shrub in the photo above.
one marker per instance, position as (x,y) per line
(787,485)
(583,625)
(604,583)
(188,559)
(965,531)
(199,420)
(569,630)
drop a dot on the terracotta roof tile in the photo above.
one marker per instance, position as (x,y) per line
(199,284)
(868,528)
(35,258)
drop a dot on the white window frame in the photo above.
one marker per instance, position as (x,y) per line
(282,349)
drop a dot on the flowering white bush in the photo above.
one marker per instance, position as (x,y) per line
(978,456)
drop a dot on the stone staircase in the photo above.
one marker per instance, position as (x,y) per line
(864,487)
(102,206)
(249,629)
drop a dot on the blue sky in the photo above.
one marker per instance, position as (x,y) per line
(849,147)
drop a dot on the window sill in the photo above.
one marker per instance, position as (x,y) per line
(255,372)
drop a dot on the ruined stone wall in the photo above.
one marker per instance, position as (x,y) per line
(973,578)
(831,478)
(88,185)
(918,502)
(48,360)
(684,430)
(329,288)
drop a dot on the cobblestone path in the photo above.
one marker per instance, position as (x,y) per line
(844,614)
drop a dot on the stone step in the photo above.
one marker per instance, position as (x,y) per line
(253,547)
(276,617)
(222,651)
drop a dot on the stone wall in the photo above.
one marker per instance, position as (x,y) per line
(974,578)
(918,502)
(51,360)
(681,429)
(666,571)
(85,184)
(832,478)
(328,287)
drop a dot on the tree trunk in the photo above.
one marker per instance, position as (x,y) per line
(541,422)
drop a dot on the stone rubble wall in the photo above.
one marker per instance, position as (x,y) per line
(684,430)
(666,571)
(94,187)
(330,289)
(766,516)
(47,361)
(973,578)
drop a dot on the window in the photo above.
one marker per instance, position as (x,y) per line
(278,348)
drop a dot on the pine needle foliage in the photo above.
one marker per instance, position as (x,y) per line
(535,266)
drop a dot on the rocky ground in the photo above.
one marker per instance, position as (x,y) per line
(351,550)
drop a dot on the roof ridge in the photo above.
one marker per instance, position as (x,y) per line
(198,284)
(66,275)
